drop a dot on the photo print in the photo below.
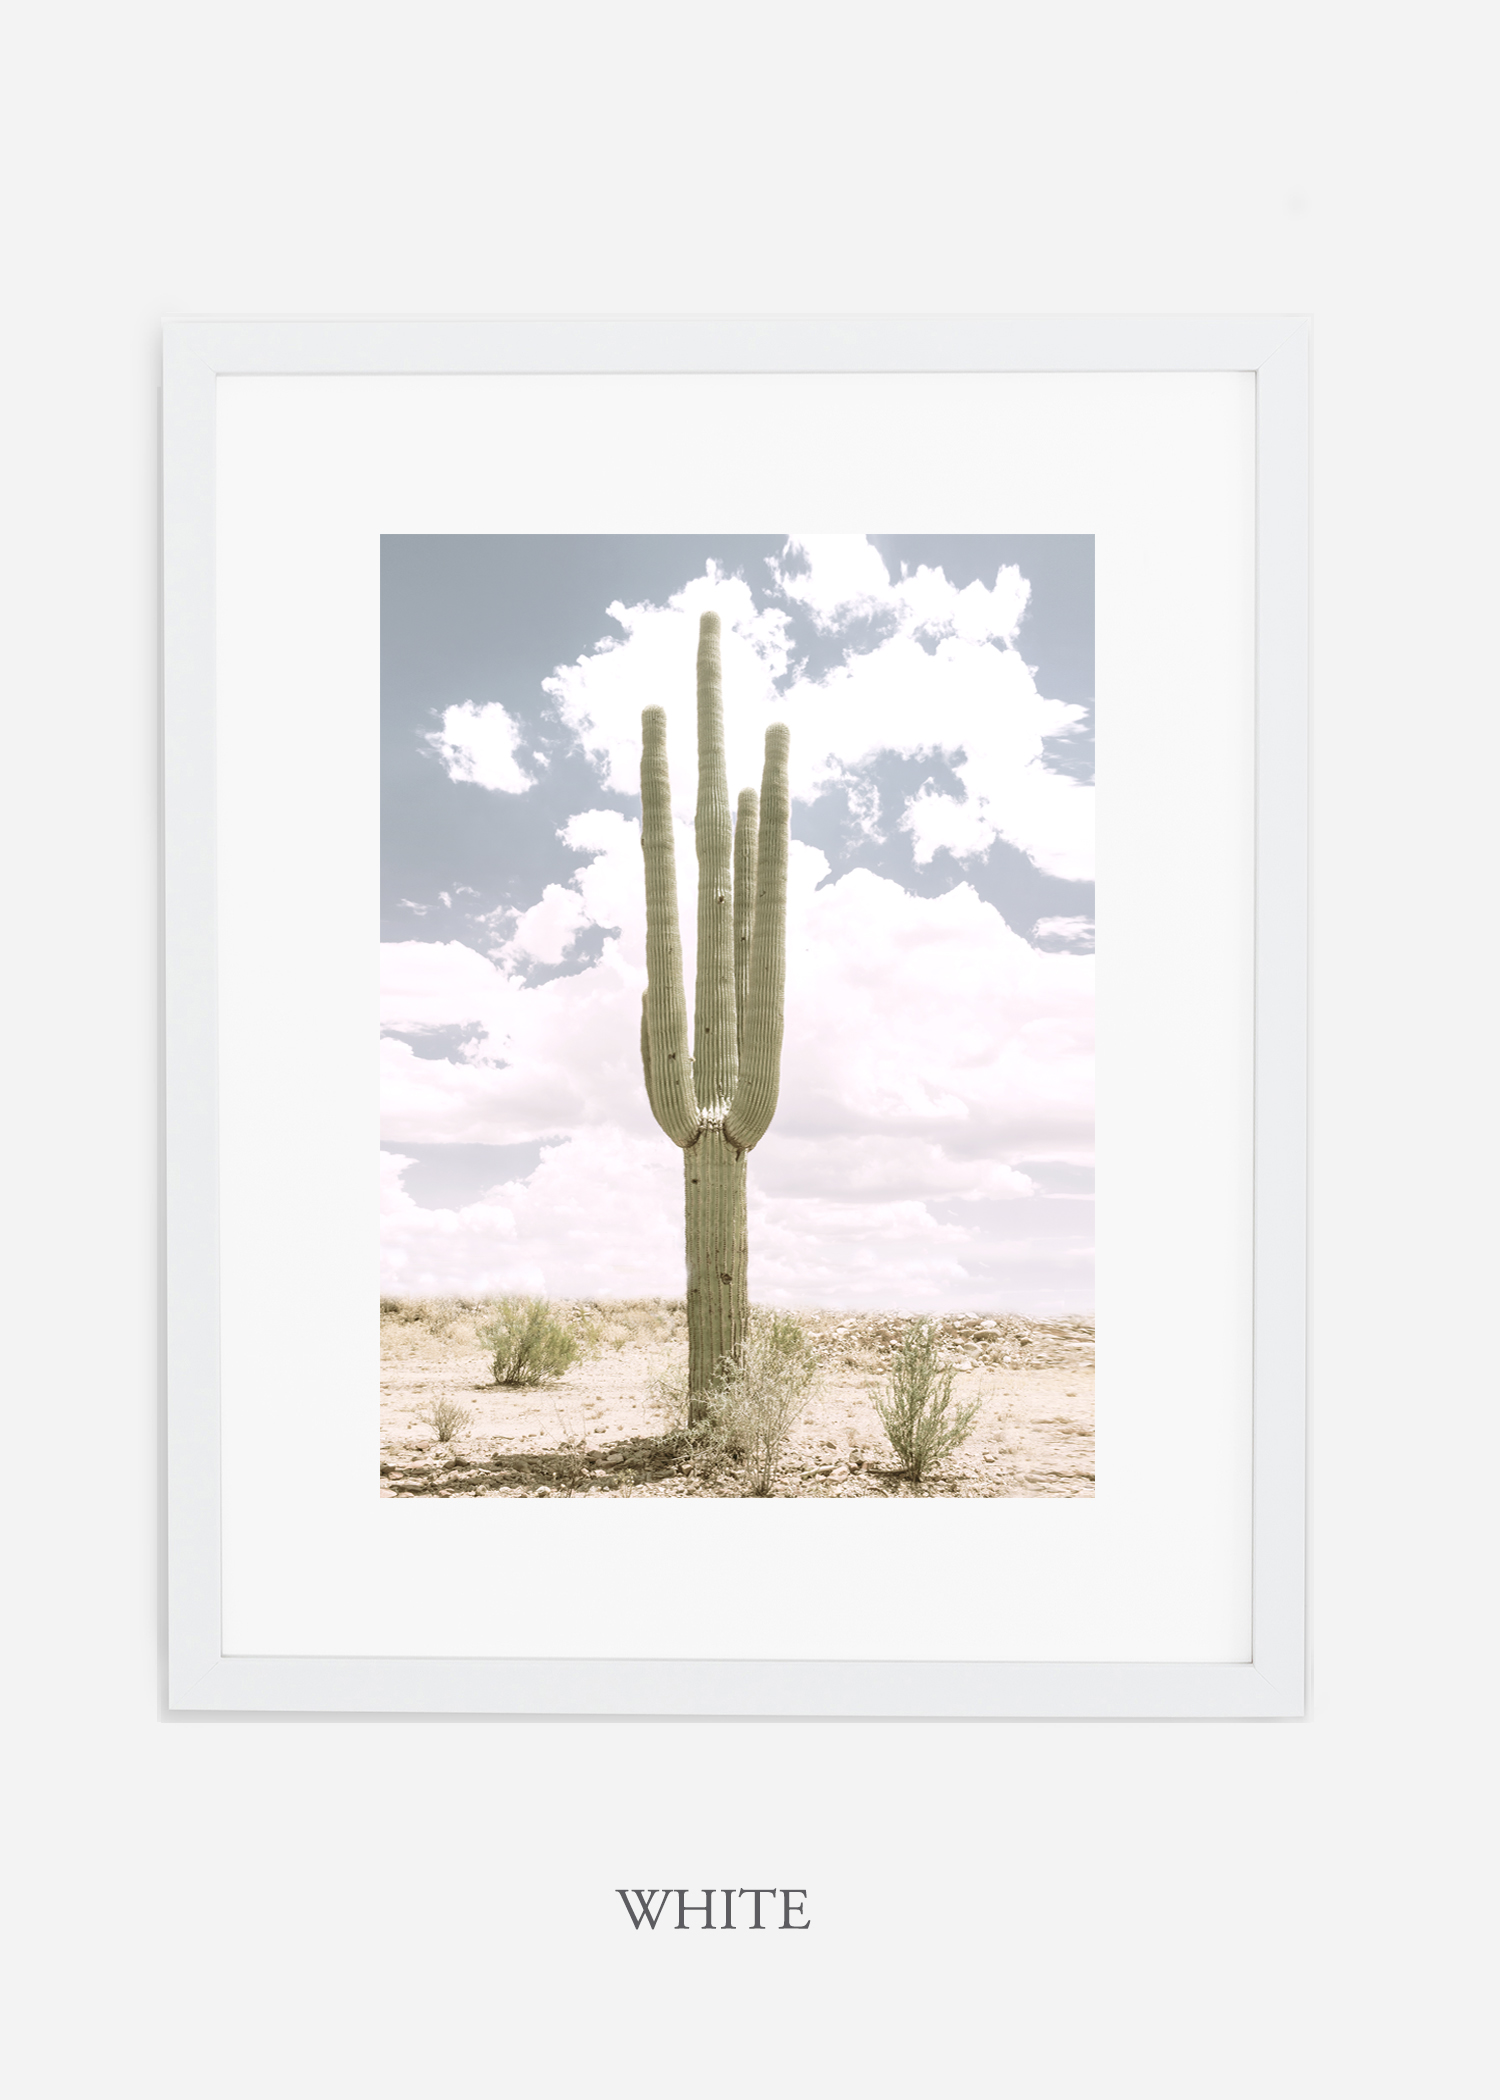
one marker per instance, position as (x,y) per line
(839,1241)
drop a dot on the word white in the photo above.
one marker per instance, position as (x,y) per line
(647,1916)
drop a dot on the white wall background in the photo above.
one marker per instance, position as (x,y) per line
(233,1907)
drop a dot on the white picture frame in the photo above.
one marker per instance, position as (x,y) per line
(200,1674)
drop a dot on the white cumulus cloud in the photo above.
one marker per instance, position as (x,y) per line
(944,676)
(842,577)
(929,1053)
(479,744)
(595,1219)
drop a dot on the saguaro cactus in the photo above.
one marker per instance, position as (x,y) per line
(716,1096)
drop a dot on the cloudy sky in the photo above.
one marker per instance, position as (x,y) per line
(933,1147)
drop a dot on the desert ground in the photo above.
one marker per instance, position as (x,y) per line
(603,1427)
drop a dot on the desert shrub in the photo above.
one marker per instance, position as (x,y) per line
(916,1409)
(447,1417)
(757,1399)
(528,1342)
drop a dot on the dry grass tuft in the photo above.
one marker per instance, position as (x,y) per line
(446,1416)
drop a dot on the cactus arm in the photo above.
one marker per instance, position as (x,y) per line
(668,1063)
(715,1059)
(651,1096)
(747,817)
(754,1101)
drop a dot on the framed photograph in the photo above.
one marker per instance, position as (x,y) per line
(637,1057)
